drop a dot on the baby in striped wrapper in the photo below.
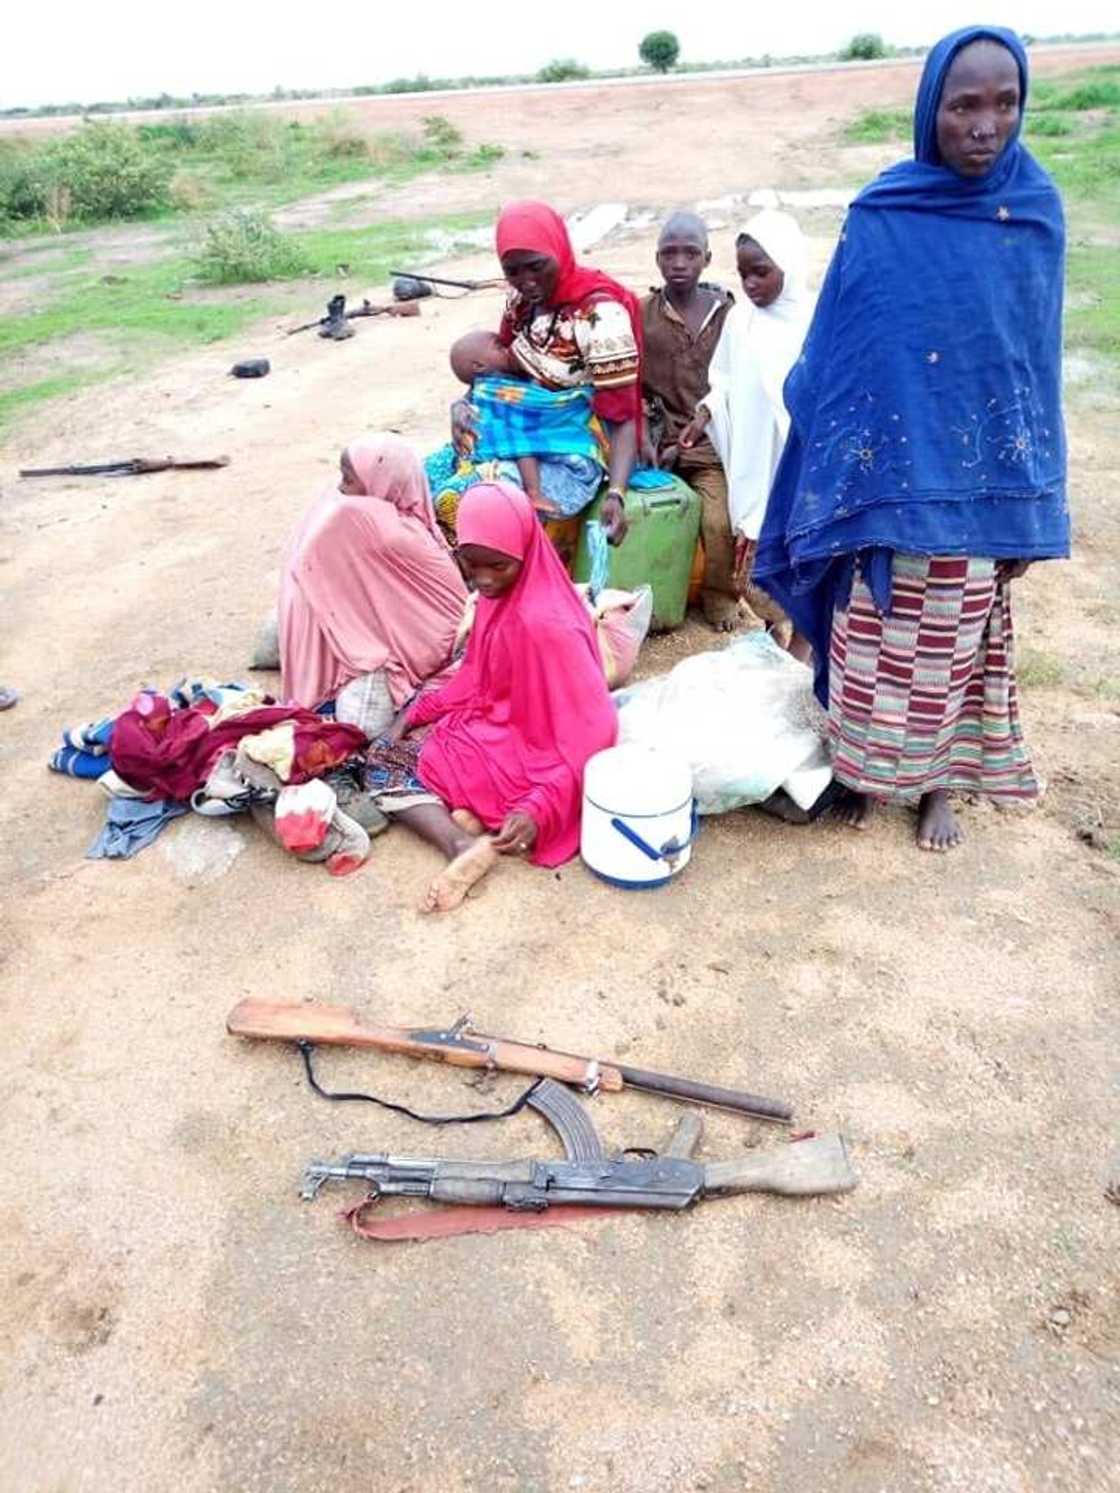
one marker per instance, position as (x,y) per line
(545,439)
(482,355)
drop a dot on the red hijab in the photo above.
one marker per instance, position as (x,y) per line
(536,227)
(515,727)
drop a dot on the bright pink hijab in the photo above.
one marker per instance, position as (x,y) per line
(516,725)
(369,583)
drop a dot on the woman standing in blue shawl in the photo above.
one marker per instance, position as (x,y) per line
(925,466)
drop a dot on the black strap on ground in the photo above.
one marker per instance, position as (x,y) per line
(307,1048)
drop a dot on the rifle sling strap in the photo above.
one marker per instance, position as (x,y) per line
(307,1048)
(422,1224)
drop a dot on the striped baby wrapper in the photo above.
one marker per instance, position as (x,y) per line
(925,698)
(518,418)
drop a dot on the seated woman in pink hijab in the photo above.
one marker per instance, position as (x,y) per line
(500,768)
(371,597)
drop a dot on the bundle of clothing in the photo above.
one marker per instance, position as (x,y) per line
(219,749)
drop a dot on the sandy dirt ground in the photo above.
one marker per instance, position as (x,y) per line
(172,1316)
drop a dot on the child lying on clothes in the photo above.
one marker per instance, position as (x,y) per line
(547,441)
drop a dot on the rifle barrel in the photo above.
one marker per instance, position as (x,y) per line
(91,471)
(435,280)
(706,1093)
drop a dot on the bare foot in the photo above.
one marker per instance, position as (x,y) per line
(938,827)
(468,822)
(853,809)
(452,885)
(720,613)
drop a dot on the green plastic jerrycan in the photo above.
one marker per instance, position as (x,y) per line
(657,551)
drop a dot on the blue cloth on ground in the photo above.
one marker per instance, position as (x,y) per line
(131,824)
(84,752)
(78,764)
(926,405)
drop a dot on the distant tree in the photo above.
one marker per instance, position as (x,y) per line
(660,50)
(562,70)
(865,47)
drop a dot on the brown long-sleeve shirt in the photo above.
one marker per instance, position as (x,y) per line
(675,367)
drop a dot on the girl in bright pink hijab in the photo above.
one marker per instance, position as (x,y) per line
(370,592)
(512,731)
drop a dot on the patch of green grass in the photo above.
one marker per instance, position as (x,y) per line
(1114,850)
(370,253)
(157,308)
(1087,166)
(1038,670)
(1048,124)
(1092,94)
(876,126)
(1093,321)
(148,302)
(14,402)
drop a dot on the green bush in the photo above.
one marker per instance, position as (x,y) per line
(104,172)
(246,246)
(563,70)
(864,48)
(442,134)
(659,50)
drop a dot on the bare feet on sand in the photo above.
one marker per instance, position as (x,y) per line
(721,613)
(853,809)
(938,827)
(452,884)
(468,822)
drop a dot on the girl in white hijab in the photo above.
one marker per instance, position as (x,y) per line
(743,411)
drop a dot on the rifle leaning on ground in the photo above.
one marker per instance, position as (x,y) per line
(135,466)
(667,1179)
(314,1022)
(337,314)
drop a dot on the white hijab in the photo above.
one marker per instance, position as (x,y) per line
(756,350)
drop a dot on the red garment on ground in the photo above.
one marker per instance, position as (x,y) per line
(537,227)
(516,725)
(169,753)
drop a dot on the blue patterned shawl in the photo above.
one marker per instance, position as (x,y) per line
(926,406)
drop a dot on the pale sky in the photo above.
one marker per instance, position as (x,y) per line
(62,50)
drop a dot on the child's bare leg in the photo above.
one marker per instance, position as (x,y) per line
(469,858)
(530,470)
(468,821)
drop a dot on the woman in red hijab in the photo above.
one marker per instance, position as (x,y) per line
(570,324)
(510,734)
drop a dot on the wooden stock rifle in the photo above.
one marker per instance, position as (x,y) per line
(316,1022)
(132,467)
(336,313)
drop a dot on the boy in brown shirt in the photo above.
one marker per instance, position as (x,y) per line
(683,321)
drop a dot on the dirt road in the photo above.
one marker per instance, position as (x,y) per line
(173,1316)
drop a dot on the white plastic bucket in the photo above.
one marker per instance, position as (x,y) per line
(639,821)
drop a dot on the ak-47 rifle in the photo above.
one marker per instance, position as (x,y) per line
(668,1179)
(460,1044)
(337,314)
(134,467)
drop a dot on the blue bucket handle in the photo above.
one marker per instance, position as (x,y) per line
(670,850)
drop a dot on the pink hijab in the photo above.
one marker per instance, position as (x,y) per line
(529,706)
(369,582)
